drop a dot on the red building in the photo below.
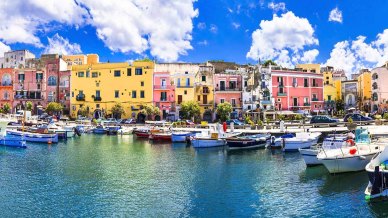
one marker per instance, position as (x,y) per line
(6,86)
(296,90)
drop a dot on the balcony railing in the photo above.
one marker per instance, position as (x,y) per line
(314,99)
(162,87)
(282,93)
(6,84)
(184,86)
(227,89)
(97,98)
(80,97)
(265,102)
(306,104)
(27,97)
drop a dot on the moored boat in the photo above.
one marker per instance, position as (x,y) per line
(180,136)
(34,137)
(15,142)
(247,142)
(301,140)
(160,136)
(142,133)
(99,130)
(377,170)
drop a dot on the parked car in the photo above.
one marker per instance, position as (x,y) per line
(357,117)
(323,119)
(235,122)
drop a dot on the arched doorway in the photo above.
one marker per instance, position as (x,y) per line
(207,116)
(157,117)
(141,118)
(97,114)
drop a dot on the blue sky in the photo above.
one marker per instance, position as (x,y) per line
(245,31)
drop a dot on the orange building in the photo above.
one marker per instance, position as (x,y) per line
(6,86)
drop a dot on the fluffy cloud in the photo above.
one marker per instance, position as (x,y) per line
(353,55)
(281,6)
(3,48)
(59,45)
(281,37)
(163,27)
(201,26)
(335,15)
(25,18)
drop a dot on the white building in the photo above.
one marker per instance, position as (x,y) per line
(16,59)
(266,99)
(379,89)
(251,88)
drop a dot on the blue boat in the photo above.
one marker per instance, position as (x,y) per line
(100,130)
(33,137)
(112,130)
(15,142)
(180,136)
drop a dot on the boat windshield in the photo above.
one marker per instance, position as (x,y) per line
(362,135)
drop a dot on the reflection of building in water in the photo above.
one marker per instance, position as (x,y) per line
(349,93)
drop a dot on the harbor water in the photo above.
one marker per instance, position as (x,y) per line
(105,176)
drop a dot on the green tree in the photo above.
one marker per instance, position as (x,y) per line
(29,105)
(269,62)
(339,105)
(190,109)
(224,110)
(117,110)
(150,111)
(54,107)
(6,108)
(83,111)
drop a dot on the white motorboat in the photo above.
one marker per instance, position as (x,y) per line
(310,154)
(52,127)
(213,137)
(301,140)
(377,170)
(125,130)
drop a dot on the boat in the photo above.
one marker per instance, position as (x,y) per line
(213,137)
(68,130)
(180,136)
(15,142)
(352,158)
(112,130)
(160,136)
(276,143)
(142,132)
(248,142)
(377,170)
(125,130)
(99,130)
(310,154)
(34,137)
(300,140)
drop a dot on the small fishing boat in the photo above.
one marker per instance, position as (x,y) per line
(377,170)
(180,136)
(248,142)
(68,130)
(213,137)
(100,130)
(125,130)
(160,136)
(142,132)
(10,141)
(351,158)
(34,137)
(112,130)
(276,143)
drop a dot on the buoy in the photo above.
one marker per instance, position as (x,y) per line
(352,151)
(224,126)
(49,142)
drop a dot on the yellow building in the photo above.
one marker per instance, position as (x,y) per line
(98,87)
(364,83)
(331,90)
(80,59)
(204,91)
(313,68)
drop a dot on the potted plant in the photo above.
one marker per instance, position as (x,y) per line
(351,125)
(260,124)
(378,119)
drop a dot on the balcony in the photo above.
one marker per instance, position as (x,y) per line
(236,105)
(184,86)
(162,87)
(80,97)
(20,97)
(306,104)
(314,99)
(266,102)
(97,98)
(227,89)
(282,93)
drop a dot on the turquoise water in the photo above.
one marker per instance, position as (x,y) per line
(102,176)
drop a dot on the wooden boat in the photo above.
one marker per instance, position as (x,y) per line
(15,142)
(247,142)
(180,136)
(34,137)
(160,136)
(142,133)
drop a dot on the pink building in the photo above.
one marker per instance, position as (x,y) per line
(6,86)
(164,94)
(228,88)
(295,90)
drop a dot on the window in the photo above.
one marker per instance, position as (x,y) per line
(245,83)
(138,71)
(294,82)
(203,78)
(327,82)
(329,97)
(117,73)
(72,94)
(314,83)
(315,97)
(142,83)
(186,72)
(81,74)
(87,73)
(222,100)
(198,98)
(94,74)
(133,94)
(52,81)
(38,86)
(163,83)
(233,100)
(142,94)
(21,77)
(185,92)
(187,81)
(98,93)
(179,82)
(97,105)
(163,96)
(39,76)
(306,100)
(129,71)
(117,94)
(306,82)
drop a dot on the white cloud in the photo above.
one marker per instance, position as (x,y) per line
(335,15)
(204,42)
(235,25)
(201,26)
(59,45)
(309,56)
(213,28)
(353,55)
(281,6)
(162,26)
(25,18)
(3,48)
(230,10)
(282,37)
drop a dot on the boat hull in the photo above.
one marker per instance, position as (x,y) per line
(294,145)
(14,142)
(156,137)
(310,156)
(179,137)
(207,143)
(347,164)
(142,134)
(34,137)
(235,144)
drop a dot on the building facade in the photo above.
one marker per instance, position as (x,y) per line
(251,88)
(6,86)
(98,87)
(164,95)
(379,89)
(204,92)
(349,93)
(80,59)
(16,59)
(364,88)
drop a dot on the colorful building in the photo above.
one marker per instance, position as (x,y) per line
(297,90)
(204,92)
(16,59)
(164,95)
(98,87)
(311,68)
(330,90)
(379,89)
(251,88)
(6,86)
(80,59)
(364,87)
(349,93)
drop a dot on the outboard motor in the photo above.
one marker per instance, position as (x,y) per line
(76,131)
(273,140)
